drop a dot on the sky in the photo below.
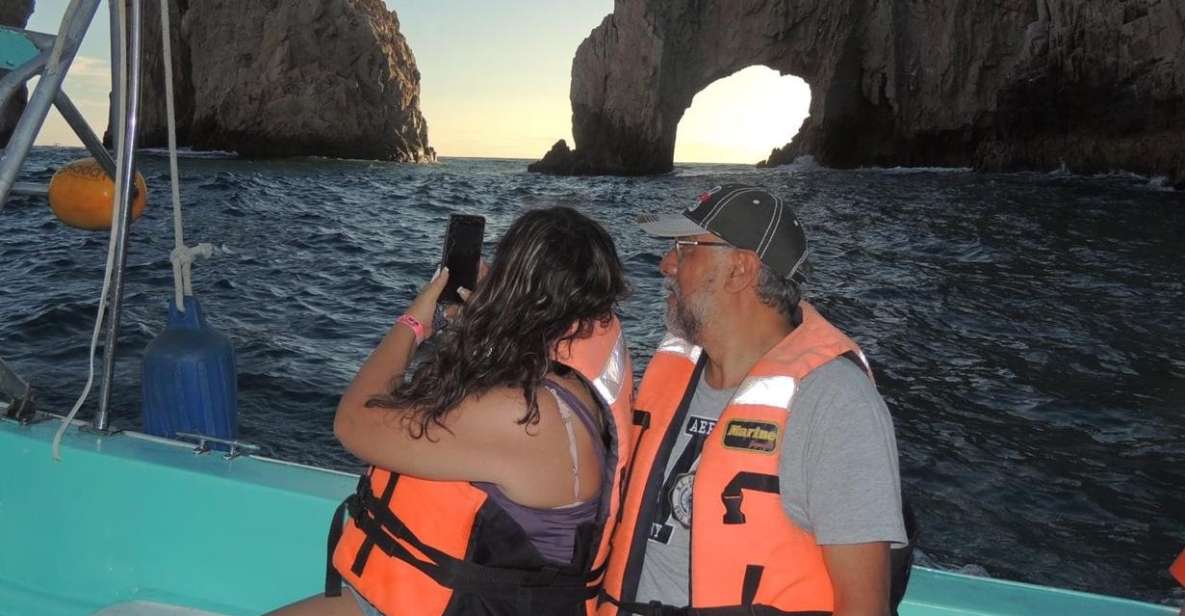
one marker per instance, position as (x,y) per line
(494,82)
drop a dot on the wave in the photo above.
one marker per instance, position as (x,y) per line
(694,170)
(190,153)
(1154,183)
(1159,183)
(914,170)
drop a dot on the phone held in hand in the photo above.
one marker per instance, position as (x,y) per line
(462,254)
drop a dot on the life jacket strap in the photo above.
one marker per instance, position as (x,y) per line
(362,489)
(333,579)
(733,495)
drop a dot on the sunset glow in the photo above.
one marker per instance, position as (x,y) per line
(740,118)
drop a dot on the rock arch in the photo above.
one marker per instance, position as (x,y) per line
(1000,85)
(636,74)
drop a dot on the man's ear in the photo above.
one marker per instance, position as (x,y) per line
(744,268)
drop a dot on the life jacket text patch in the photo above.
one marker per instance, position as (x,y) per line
(760,436)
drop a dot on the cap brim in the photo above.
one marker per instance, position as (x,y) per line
(674,225)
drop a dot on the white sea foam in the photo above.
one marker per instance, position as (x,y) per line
(805,162)
(1160,183)
(1061,171)
(1156,183)
(913,170)
(923,559)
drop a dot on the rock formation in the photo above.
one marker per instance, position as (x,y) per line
(152,128)
(1009,84)
(13,13)
(288,78)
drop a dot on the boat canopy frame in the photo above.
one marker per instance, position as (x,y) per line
(25,54)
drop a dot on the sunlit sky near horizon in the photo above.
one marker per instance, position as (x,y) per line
(494,82)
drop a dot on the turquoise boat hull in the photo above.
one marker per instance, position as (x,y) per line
(131,518)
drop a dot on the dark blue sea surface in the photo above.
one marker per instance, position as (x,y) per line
(1026,329)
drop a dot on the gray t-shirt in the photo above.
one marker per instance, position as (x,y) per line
(838,473)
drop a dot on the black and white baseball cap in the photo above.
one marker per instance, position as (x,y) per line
(747,217)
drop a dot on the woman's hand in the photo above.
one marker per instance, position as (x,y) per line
(423,308)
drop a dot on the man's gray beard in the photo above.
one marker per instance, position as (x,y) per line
(685,317)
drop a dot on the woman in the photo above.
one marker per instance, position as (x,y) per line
(495,466)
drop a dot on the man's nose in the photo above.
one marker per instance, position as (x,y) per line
(669,264)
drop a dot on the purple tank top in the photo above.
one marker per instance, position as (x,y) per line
(553,531)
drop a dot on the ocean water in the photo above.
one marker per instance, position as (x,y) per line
(1026,329)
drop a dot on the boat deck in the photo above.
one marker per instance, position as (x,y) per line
(126,521)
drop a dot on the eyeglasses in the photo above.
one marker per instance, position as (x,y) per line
(680,243)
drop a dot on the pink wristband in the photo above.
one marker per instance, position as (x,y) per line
(414,324)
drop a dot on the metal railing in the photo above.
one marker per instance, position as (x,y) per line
(123,218)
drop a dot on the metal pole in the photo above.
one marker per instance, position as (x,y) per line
(114,113)
(123,218)
(74,24)
(92,142)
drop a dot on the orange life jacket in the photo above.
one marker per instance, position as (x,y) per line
(745,551)
(1178,568)
(415,546)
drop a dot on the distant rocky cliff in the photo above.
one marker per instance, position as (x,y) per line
(151,130)
(13,13)
(287,78)
(1008,84)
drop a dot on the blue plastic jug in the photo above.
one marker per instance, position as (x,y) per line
(189,380)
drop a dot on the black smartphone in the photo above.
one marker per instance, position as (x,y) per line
(462,254)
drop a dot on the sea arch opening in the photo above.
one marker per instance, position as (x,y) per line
(741,117)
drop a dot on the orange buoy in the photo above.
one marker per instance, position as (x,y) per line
(80,195)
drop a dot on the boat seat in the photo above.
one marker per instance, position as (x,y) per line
(149,608)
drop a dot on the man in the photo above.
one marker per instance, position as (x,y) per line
(765,475)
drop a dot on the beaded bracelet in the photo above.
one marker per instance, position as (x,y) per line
(414,324)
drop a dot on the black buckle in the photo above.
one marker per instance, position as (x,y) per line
(732,509)
(356,502)
(355,507)
(363,487)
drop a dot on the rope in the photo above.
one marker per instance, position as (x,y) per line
(182,258)
(121,132)
(182,255)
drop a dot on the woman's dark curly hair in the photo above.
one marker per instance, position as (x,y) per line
(555,275)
